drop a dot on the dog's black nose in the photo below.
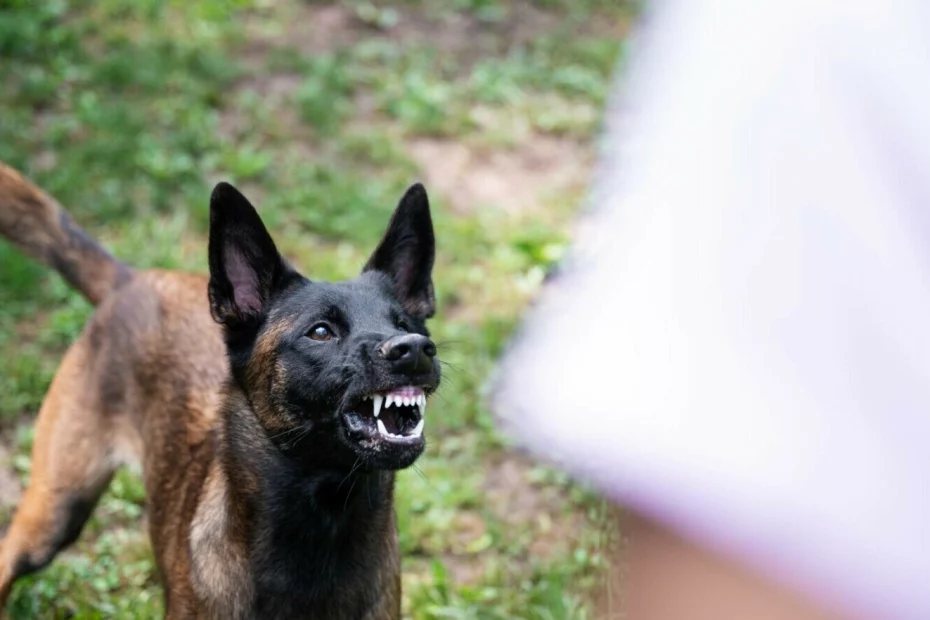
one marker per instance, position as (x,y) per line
(410,353)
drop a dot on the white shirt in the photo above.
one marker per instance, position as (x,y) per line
(740,347)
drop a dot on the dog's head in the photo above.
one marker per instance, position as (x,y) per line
(338,373)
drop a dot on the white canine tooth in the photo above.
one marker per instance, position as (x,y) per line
(422,407)
(421,401)
(377,406)
(388,400)
(418,429)
(382,429)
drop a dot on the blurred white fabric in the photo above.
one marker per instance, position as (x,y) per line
(740,346)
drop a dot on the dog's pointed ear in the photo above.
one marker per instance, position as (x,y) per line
(245,267)
(406,253)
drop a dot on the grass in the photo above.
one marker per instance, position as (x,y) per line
(128,111)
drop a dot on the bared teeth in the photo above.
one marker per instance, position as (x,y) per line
(407,397)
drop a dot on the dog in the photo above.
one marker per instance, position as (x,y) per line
(269,412)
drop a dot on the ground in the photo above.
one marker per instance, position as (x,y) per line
(322,112)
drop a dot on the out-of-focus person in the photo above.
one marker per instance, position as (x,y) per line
(738,350)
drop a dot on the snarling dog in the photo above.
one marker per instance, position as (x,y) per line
(269,412)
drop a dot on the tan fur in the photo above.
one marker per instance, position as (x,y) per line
(265,371)
(219,572)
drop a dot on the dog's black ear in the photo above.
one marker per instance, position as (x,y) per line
(407,251)
(245,267)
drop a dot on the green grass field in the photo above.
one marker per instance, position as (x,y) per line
(129,110)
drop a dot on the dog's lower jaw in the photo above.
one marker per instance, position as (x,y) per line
(270,539)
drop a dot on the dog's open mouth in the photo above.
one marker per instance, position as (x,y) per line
(397,415)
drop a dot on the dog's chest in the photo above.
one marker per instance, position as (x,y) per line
(326,571)
(220,574)
(286,585)
(307,565)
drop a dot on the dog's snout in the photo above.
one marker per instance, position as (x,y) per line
(411,353)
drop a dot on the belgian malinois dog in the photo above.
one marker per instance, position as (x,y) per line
(269,412)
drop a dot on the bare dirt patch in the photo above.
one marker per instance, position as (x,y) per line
(310,28)
(520,179)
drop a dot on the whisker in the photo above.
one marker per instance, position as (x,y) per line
(303,434)
(293,442)
(290,430)
(459,369)
(358,461)
(348,495)
(417,469)
(445,344)
(446,380)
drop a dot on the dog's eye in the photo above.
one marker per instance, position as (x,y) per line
(320,332)
(402,326)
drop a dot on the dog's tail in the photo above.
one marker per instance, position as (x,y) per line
(34,222)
